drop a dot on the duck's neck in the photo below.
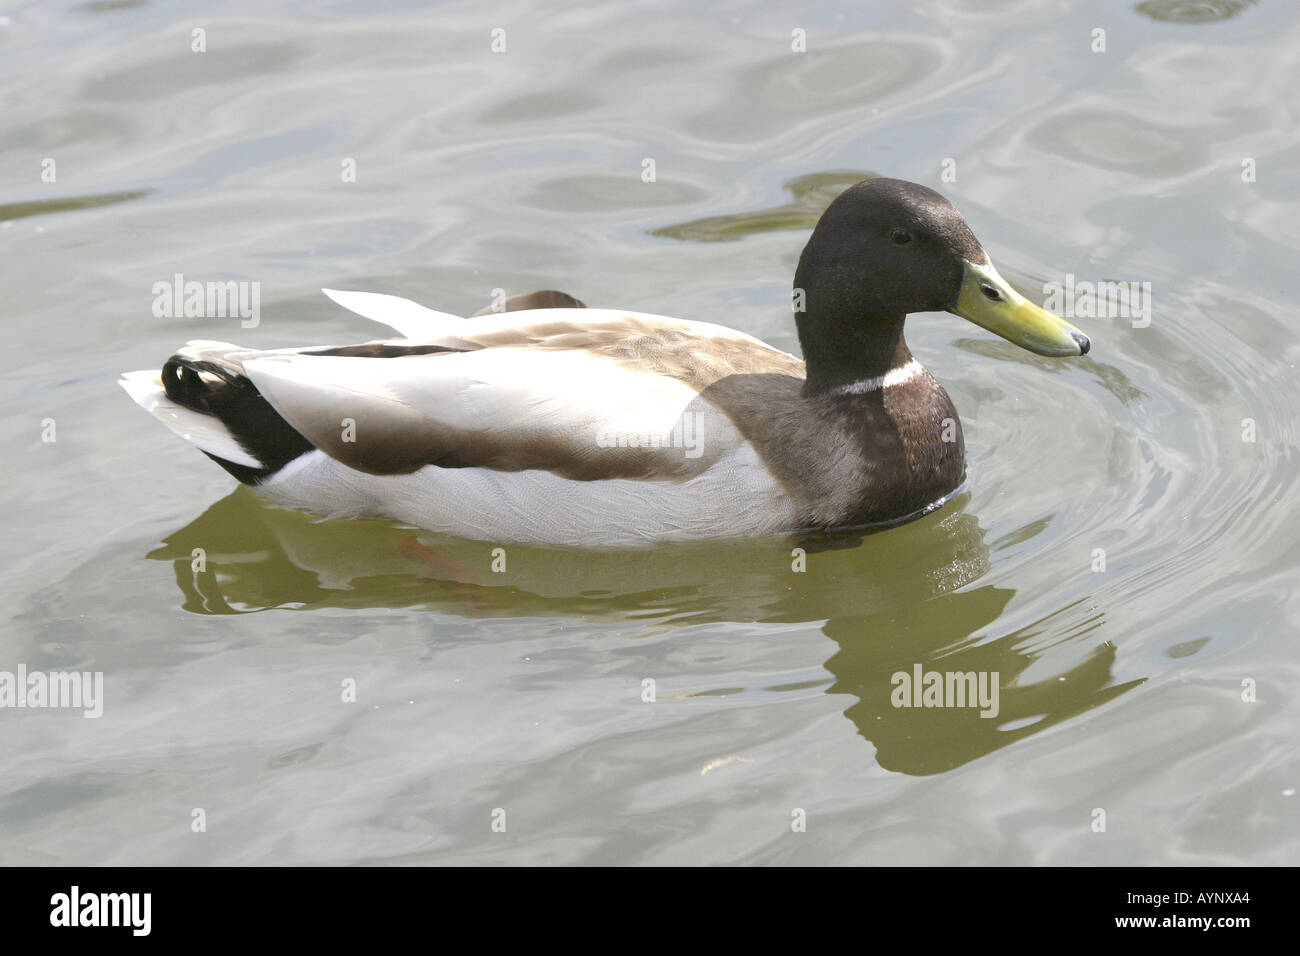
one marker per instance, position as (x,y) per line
(846,351)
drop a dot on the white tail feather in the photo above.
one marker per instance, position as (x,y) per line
(202,431)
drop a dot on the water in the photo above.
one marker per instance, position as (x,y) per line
(1121,689)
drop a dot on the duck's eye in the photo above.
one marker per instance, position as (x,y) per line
(900,237)
(990,293)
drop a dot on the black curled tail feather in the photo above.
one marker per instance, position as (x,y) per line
(222,391)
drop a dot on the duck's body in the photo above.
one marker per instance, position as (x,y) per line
(576,426)
(582,426)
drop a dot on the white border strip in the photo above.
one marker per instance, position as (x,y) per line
(895,376)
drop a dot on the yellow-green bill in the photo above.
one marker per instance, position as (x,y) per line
(988,300)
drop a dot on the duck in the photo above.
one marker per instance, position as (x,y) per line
(543,421)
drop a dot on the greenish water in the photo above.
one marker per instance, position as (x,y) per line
(1121,686)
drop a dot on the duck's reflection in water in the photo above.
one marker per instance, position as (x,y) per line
(891,602)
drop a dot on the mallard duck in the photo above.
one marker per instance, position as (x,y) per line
(549,422)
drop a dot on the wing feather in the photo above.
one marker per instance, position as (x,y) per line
(585,393)
(413,320)
(575,413)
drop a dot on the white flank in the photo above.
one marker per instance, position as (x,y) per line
(737,497)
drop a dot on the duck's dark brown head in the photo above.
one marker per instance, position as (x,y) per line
(886,248)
